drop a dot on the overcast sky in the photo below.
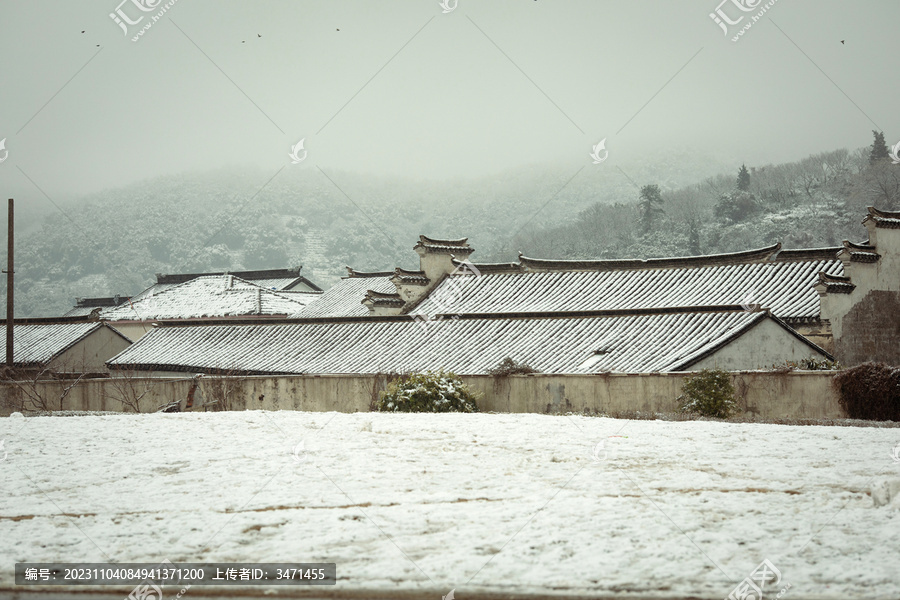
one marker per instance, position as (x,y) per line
(402,88)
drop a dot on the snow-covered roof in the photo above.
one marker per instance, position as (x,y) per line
(344,299)
(210,297)
(666,340)
(281,280)
(784,286)
(39,343)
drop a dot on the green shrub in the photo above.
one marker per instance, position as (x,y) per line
(708,393)
(810,363)
(428,392)
(508,366)
(870,391)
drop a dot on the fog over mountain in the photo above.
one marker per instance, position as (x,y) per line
(172,152)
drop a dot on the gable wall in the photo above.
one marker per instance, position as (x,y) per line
(761,347)
(90,354)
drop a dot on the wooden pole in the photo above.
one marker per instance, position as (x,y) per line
(10,318)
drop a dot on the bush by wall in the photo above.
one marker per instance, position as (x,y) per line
(870,391)
(810,363)
(428,392)
(509,366)
(709,393)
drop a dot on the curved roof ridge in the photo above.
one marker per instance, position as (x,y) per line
(766,254)
(382,295)
(884,214)
(429,240)
(175,278)
(351,272)
(491,267)
(858,245)
(826,253)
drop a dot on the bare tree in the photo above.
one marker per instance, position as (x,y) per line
(129,386)
(219,393)
(33,390)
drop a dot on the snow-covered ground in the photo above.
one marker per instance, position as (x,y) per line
(471,502)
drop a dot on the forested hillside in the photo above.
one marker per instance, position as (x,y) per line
(115,241)
(816,202)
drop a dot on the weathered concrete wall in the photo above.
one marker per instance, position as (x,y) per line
(866,322)
(764,394)
(90,354)
(765,345)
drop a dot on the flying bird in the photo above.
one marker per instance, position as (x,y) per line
(842,41)
(257,35)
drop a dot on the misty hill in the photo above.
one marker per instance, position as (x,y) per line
(115,241)
(815,202)
(240,219)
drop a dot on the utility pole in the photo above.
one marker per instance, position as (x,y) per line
(9,289)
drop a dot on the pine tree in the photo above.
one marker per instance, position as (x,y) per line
(879,148)
(743,179)
(650,205)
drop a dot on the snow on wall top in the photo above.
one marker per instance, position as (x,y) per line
(636,343)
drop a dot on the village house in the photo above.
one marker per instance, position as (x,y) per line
(67,347)
(203,298)
(737,311)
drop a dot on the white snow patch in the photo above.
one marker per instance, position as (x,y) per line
(475,502)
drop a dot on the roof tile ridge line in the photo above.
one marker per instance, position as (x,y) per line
(355,274)
(512,265)
(288,272)
(252,285)
(768,251)
(609,312)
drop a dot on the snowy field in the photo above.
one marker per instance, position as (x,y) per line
(477,503)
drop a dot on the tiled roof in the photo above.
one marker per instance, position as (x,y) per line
(784,287)
(38,344)
(655,341)
(210,296)
(344,299)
